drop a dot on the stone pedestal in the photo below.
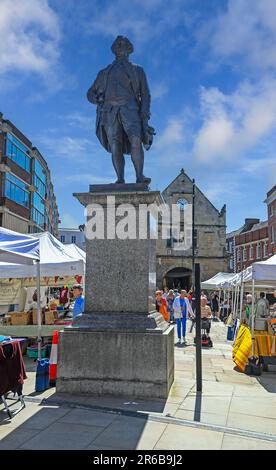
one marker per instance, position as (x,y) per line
(121,345)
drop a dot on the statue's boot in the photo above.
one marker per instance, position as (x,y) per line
(143,179)
(120,181)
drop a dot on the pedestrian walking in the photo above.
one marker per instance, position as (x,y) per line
(215,306)
(181,309)
(170,301)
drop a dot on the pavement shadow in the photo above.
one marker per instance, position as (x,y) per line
(63,427)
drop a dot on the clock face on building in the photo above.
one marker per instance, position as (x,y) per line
(181,203)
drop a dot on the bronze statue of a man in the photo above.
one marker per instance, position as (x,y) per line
(122,96)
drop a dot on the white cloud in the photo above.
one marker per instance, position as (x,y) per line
(79,120)
(78,149)
(29,36)
(247,29)
(142,19)
(158,90)
(234,123)
(173,134)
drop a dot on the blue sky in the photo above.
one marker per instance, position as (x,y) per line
(211,67)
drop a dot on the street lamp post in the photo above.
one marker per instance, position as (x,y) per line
(193,235)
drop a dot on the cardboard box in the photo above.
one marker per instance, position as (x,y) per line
(21,318)
(50,317)
(7,320)
(34,315)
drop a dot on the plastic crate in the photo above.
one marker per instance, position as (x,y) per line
(33,352)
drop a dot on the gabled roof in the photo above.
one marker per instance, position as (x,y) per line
(183,174)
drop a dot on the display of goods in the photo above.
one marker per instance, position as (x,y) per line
(34,315)
(271,326)
(21,318)
(50,317)
(63,322)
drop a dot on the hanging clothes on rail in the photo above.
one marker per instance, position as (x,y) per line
(12,369)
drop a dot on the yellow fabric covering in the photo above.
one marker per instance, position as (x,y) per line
(264,345)
(242,347)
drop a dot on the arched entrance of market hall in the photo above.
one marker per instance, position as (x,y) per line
(178,278)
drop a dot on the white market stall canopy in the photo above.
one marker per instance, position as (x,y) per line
(263,273)
(215,281)
(18,248)
(265,270)
(75,251)
(55,260)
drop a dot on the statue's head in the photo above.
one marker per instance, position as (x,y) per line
(122,47)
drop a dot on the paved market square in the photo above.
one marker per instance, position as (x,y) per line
(234,411)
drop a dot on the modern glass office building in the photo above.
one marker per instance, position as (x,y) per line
(27,200)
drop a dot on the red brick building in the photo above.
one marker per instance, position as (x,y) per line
(251,246)
(255,241)
(271,218)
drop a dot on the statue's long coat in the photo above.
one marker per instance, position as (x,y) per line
(140,89)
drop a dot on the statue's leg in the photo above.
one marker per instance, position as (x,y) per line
(114,135)
(137,157)
(132,126)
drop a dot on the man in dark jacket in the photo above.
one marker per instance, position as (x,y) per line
(122,96)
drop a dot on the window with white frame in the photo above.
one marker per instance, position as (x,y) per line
(265,250)
(62,239)
(74,239)
(244,253)
(238,254)
(258,251)
(251,252)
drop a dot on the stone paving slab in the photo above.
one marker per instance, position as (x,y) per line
(173,438)
(217,405)
(45,416)
(88,418)
(243,443)
(256,406)
(259,424)
(60,436)
(208,418)
(130,433)
(233,379)
(11,439)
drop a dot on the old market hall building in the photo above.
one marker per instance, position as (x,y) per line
(174,266)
